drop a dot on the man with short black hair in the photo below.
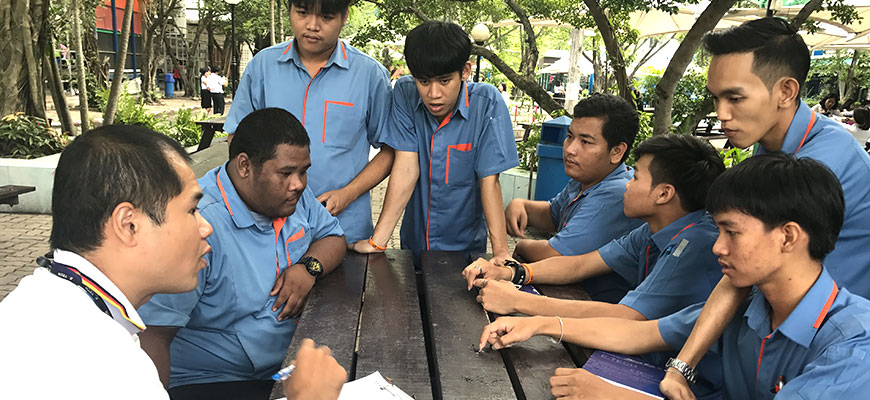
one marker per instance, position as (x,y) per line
(755,77)
(667,261)
(587,213)
(460,136)
(272,240)
(800,335)
(342,97)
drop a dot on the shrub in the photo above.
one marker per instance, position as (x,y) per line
(25,136)
(184,129)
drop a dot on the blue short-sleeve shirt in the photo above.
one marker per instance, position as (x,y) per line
(475,141)
(821,350)
(228,331)
(683,271)
(344,107)
(587,219)
(829,143)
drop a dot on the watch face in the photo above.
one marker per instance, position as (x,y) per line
(315,267)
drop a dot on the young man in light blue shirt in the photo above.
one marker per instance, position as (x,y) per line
(668,260)
(342,97)
(755,76)
(801,335)
(588,212)
(272,240)
(452,139)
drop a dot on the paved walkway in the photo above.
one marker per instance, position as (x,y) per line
(23,237)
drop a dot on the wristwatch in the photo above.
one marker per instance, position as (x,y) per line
(313,266)
(683,368)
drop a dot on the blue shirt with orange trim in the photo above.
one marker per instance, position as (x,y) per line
(445,211)
(587,219)
(821,350)
(228,329)
(344,107)
(829,143)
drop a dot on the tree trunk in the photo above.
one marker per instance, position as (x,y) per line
(280,15)
(527,68)
(805,12)
(80,66)
(614,54)
(572,88)
(34,75)
(212,57)
(850,77)
(148,59)
(682,57)
(599,79)
(120,63)
(271,22)
(56,88)
(528,85)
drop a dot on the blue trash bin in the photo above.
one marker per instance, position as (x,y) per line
(551,172)
(555,130)
(169,90)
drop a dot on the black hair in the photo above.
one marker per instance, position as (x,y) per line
(620,118)
(107,166)
(321,6)
(203,70)
(777,49)
(436,48)
(260,133)
(862,118)
(777,188)
(830,96)
(688,163)
(216,70)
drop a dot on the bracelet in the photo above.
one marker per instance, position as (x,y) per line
(531,274)
(561,328)
(519,277)
(375,245)
(513,272)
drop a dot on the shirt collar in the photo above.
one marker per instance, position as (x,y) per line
(237,208)
(131,322)
(805,320)
(338,57)
(672,230)
(462,106)
(796,130)
(620,172)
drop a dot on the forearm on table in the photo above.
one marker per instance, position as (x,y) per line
(403,178)
(490,195)
(535,250)
(563,270)
(610,334)
(374,172)
(539,215)
(329,251)
(718,311)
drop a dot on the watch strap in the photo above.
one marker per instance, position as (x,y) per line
(684,369)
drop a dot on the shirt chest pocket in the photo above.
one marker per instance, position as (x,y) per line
(342,123)
(296,245)
(459,170)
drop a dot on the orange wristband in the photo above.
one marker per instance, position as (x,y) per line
(531,274)
(375,245)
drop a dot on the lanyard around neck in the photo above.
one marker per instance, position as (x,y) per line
(809,127)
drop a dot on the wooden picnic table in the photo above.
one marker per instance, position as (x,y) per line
(421,327)
(9,193)
(209,127)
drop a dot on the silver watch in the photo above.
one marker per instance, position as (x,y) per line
(683,368)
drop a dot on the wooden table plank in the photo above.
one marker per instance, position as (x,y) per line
(391,331)
(9,193)
(331,314)
(456,321)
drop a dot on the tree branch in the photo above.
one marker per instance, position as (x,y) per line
(526,84)
(805,12)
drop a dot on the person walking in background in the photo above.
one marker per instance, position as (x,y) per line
(216,84)
(205,102)
(505,94)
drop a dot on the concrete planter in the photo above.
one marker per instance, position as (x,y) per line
(38,172)
(515,184)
